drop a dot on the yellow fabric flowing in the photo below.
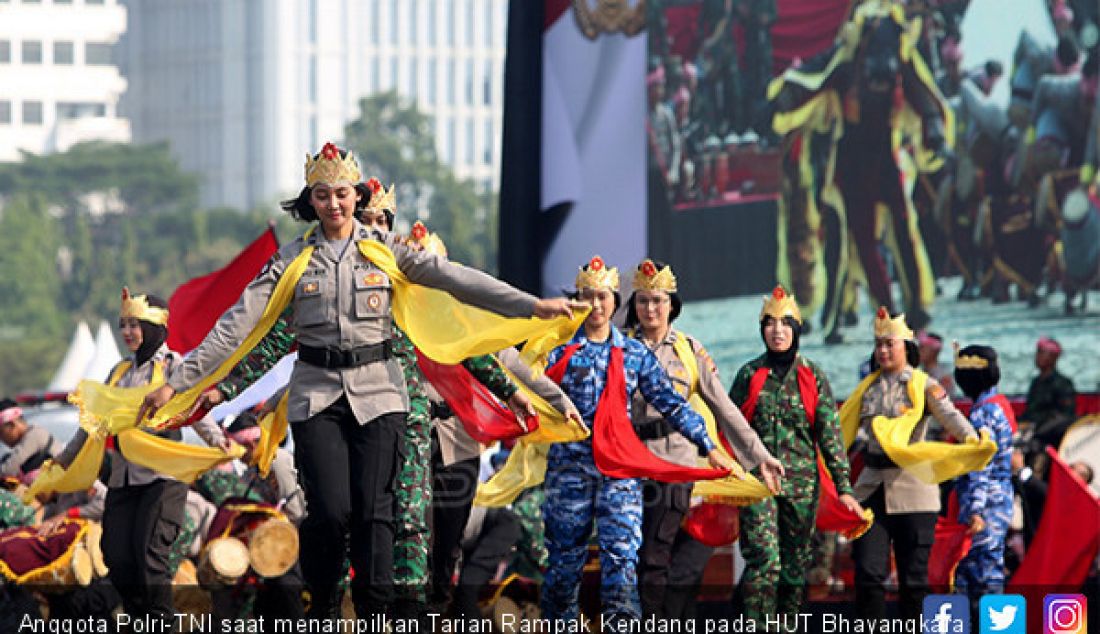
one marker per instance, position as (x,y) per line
(740,488)
(930,461)
(525,468)
(104,411)
(526,465)
(273,428)
(80,475)
(179,460)
(448,331)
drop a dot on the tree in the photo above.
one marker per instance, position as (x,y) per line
(394,142)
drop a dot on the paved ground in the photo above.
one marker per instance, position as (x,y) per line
(728,328)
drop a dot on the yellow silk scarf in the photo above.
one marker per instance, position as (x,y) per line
(930,461)
(740,488)
(181,461)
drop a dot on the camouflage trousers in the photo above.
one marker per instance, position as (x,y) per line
(777,541)
(412,536)
(578,496)
(181,548)
(982,571)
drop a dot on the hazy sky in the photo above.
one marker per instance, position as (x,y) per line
(991,28)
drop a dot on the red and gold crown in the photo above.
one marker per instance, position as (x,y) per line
(331,168)
(421,238)
(380,197)
(137,306)
(886,328)
(780,304)
(596,274)
(648,278)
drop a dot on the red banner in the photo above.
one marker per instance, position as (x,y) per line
(196,305)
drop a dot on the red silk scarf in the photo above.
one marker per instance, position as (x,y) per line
(481,414)
(616,448)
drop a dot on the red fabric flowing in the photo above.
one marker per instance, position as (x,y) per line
(481,414)
(951,545)
(616,448)
(832,515)
(1066,543)
(196,305)
(713,524)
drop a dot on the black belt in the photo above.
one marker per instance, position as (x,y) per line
(654,430)
(334,358)
(878,461)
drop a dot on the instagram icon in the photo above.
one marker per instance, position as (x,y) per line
(1065,614)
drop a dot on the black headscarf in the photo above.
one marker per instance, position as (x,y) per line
(153,335)
(780,362)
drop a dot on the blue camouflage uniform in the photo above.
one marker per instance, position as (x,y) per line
(987,493)
(577,493)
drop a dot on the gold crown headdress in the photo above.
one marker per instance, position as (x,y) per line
(969,361)
(137,306)
(380,197)
(648,278)
(428,241)
(780,304)
(596,274)
(885,327)
(329,167)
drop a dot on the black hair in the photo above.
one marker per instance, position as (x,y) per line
(994,68)
(153,335)
(912,355)
(976,381)
(1067,51)
(244,420)
(7,403)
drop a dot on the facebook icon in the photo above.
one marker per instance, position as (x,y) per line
(944,613)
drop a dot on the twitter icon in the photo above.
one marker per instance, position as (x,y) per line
(1003,614)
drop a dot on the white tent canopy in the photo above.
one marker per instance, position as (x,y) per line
(81,350)
(106,354)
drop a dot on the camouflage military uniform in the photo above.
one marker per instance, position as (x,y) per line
(530,559)
(218,486)
(578,494)
(987,493)
(13,512)
(776,534)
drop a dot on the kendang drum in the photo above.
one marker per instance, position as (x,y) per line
(54,562)
(271,540)
(223,561)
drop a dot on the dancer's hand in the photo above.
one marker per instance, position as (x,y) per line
(977,525)
(557,307)
(210,399)
(153,401)
(522,407)
(719,460)
(851,504)
(772,471)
